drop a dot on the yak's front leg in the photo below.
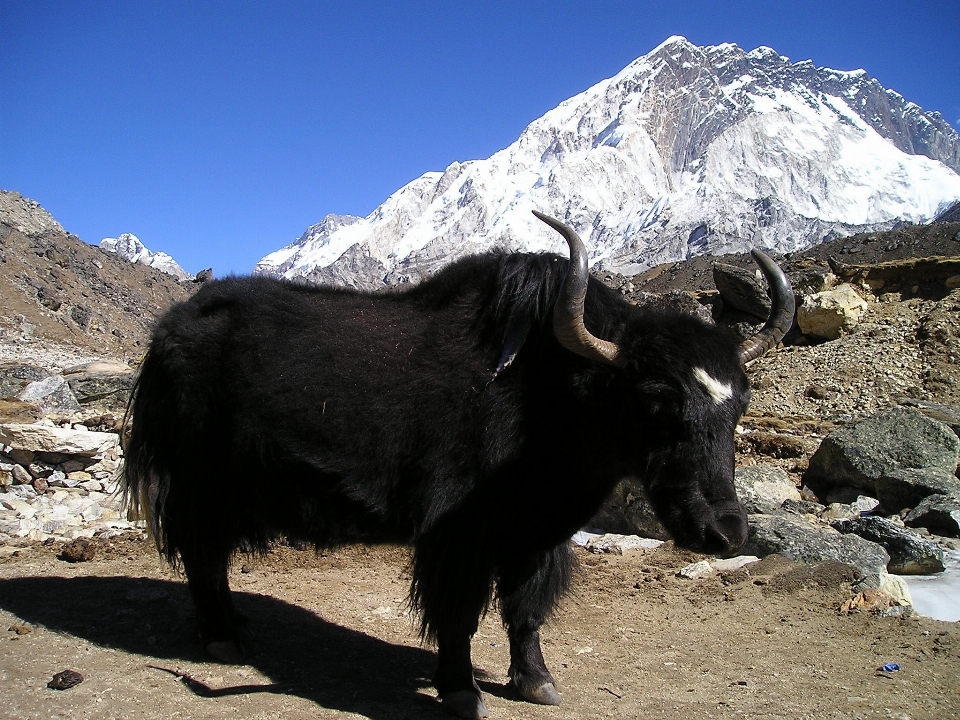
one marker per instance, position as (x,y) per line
(451,588)
(528,593)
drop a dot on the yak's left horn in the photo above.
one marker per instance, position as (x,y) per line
(568,325)
(781,314)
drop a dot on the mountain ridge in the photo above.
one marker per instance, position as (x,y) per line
(687,151)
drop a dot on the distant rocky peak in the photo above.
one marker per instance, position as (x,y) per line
(129,247)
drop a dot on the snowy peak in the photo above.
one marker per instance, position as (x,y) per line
(129,247)
(688,150)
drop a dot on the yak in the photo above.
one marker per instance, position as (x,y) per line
(482,416)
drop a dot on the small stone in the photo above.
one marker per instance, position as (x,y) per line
(39,470)
(839,511)
(80,476)
(65,680)
(864,504)
(22,491)
(21,476)
(696,571)
(70,466)
(40,485)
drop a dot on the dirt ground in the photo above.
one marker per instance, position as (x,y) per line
(334,641)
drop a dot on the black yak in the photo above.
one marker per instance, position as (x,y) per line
(482,416)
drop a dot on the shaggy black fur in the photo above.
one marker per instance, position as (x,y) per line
(268,408)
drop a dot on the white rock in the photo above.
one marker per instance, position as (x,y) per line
(696,571)
(58,440)
(620,544)
(22,507)
(734,563)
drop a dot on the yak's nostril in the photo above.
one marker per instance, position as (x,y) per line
(714,541)
(729,529)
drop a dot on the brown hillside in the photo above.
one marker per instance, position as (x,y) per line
(57,290)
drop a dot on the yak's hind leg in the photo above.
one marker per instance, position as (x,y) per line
(221,628)
(528,591)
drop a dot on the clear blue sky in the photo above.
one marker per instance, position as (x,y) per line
(218,131)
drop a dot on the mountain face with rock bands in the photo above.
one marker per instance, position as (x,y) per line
(687,151)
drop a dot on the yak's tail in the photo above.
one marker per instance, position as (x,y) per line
(146,476)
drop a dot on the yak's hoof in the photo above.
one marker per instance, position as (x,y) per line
(545,694)
(465,704)
(226,651)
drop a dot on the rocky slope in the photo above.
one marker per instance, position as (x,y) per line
(63,301)
(688,151)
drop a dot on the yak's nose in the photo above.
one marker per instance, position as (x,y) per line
(726,532)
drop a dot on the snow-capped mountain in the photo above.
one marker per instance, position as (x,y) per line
(130,248)
(688,150)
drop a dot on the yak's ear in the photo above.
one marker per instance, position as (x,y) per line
(517,330)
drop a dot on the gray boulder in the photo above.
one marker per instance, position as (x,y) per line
(15,377)
(628,512)
(741,290)
(52,394)
(104,384)
(764,489)
(940,514)
(947,414)
(908,487)
(805,542)
(909,553)
(900,438)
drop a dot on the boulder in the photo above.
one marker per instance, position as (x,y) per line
(628,512)
(909,553)
(43,438)
(803,541)
(764,489)
(939,514)
(106,384)
(15,377)
(899,438)
(741,290)
(947,414)
(908,487)
(893,585)
(831,313)
(52,394)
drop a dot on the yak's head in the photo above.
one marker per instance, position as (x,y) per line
(679,389)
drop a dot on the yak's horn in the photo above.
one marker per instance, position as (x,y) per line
(781,314)
(568,311)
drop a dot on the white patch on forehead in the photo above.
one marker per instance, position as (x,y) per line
(720,392)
